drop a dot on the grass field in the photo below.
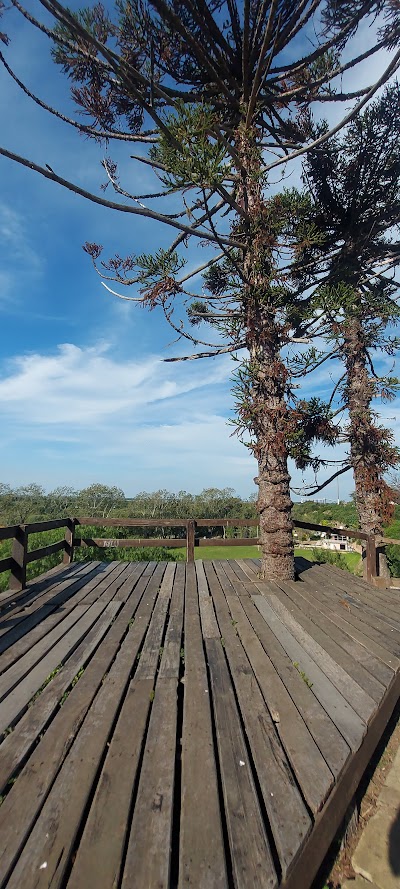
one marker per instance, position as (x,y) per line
(252,552)
(352,559)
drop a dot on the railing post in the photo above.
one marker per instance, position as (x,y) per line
(190,537)
(371,558)
(69,542)
(18,555)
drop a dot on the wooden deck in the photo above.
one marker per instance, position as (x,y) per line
(172,725)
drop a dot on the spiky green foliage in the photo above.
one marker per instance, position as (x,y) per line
(354,181)
(186,151)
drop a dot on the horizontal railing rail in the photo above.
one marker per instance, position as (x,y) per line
(329,529)
(21,556)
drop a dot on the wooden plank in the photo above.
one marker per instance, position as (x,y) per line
(384,616)
(328,822)
(69,542)
(131,523)
(344,532)
(148,857)
(6,564)
(8,532)
(32,600)
(43,638)
(379,600)
(209,625)
(18,699)
(48,525)
(328,738)
(251,858)
(99,856)
(388,645)
(235,541)
(357,662)
(312,772)
(351,726)
(277,785)
(51,837)
(202,584)
(152,648)
(227,523)
(237,577)
(190,540)
(9,598)
(17,745)
(201,847)
(172,648)
(51,615)
(48,550)
(372,601)
(358,699)
(144,543)
(18,555)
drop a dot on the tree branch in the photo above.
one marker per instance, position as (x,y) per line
(392,67)
(122,208)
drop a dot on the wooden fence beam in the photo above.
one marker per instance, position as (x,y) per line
(371,558)
(190,539)
(69,542)
(18,556)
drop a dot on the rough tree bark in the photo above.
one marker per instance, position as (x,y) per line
(266,404)
(371,494)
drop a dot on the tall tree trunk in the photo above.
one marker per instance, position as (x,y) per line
(274,500)
(264,409)
(365,438)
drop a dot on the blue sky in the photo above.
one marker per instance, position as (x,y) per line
(84,393)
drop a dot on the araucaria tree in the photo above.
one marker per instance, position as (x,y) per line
(218,94)
(354,183)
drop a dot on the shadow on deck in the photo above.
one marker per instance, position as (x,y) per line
(172,725)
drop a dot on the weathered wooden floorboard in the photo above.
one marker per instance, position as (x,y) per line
(190,726)
(341,609)
(314,643)
(34,628)
(359,700)
(41,594)
(357,662)
(109,815)
(375,604)
(17,744)
(10,598)
(252,863)
(351,726)
(148,857)
(22,805)
(278,786)
(327,736)
(308,764)
(201,846)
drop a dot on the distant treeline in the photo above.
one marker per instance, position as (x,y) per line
(31,503)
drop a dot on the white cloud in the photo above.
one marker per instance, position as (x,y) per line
(143,423)
(20,263)
(85,385)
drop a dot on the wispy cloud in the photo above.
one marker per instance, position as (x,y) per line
(20,262)
(141,423)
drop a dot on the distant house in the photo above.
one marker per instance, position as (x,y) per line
(336,542)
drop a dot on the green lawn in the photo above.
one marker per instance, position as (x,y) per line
(252,552)
(352,559)
(222,552)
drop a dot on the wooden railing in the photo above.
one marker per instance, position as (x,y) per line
(21,556)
